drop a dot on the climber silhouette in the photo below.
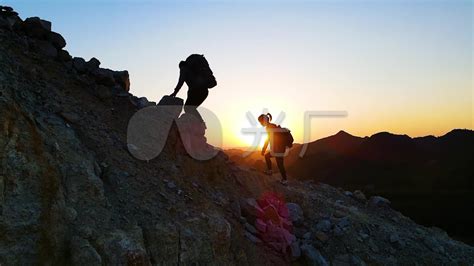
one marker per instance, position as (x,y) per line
(197,74)
(278,144)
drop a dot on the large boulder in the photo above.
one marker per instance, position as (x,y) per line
(56,40)
(104,77)
(122,78)
(93,64)
(64,56)
(79,64)
(36,27)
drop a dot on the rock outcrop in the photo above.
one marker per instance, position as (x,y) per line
(72,193)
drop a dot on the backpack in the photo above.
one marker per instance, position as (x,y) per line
(284,135)
(201,73)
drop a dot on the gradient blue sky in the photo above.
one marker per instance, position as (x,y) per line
(399,66)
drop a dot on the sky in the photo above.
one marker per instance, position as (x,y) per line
(400,66)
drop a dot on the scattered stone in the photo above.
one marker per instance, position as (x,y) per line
(296,213)
(70,117)
(377,201)
(373,246)
(338,231)
(433,245)
(323,225)
(348,193)
(235,208)
(252,237)
(171,185)
(321,236)
(220,231)
(250,209)
(250,228)
(363,235)
(396,241)
(344,222)
(307,236)
(312,256)
(261,225)
(82,253)
(347,259)
(360,196)
(339,214)
(295,250)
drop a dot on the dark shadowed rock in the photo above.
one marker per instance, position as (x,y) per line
(6,9)
(358,195)
(124,248)
(104,76)
(44,48)
(122,78)
(296,213)
(250,228)
(83,253)
(323,225)
(347,259)
(250,209)
(377,201)
(103,92)
(295,250)
(252,237)
(92,64)
(79,64)
(56,40)
(312,256)
(64,56)
(235,208)
(4,23)
(36,27)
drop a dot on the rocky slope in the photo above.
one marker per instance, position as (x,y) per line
(71,193)
(423,177)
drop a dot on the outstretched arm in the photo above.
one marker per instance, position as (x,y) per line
(265,147)
(180,80)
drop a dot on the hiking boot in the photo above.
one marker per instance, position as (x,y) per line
(284,182)
(268,172)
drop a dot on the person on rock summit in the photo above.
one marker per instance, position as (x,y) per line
(197,74)
(279,139)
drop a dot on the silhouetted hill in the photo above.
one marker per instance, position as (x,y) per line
(430,178)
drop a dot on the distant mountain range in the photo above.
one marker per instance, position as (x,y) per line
(430,178)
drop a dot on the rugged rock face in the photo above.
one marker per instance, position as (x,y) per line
(71,193)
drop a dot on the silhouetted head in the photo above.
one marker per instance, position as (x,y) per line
(264,119)
(194,61)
